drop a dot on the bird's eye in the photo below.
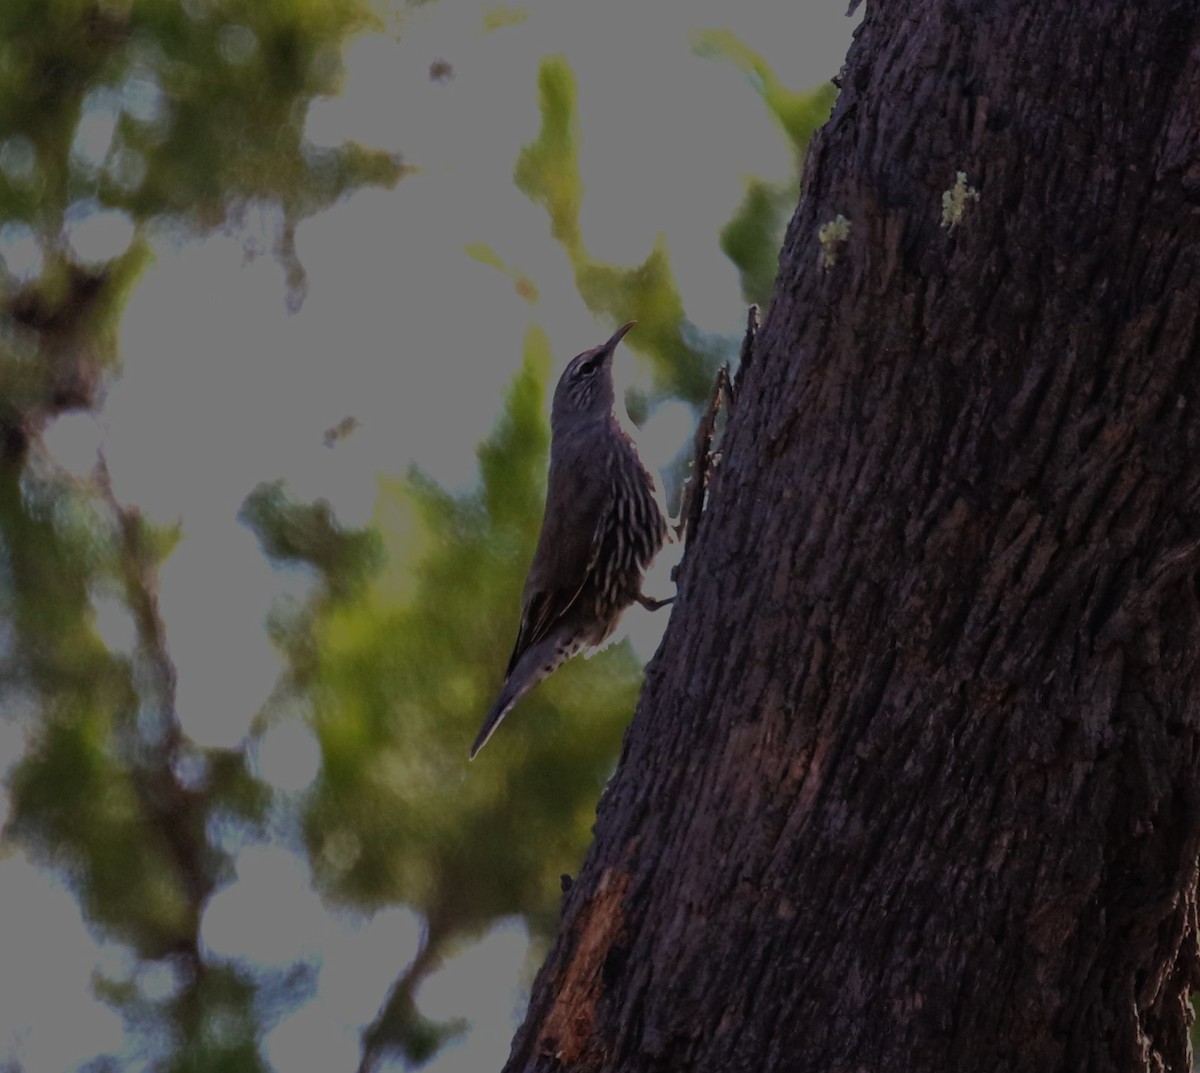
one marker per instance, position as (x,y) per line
(587,368)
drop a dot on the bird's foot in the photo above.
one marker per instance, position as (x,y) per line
(651,604)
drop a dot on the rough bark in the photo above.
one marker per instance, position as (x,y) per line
(914,782)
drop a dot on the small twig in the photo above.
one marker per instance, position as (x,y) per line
(725,391)
(139,580)
(398,1014)
(693,492)
(747,352)
(173,810)
(724,394)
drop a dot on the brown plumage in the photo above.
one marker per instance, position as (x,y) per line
(603,525)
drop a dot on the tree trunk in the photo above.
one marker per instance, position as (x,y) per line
(914,783)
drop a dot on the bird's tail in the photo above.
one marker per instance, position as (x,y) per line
(504,704)
(530,669)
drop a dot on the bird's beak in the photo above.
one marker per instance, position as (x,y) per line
(618,335)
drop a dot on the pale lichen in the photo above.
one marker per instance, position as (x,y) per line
(832,236)
(954,201)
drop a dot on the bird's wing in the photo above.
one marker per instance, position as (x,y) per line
(565,558)
(542,607)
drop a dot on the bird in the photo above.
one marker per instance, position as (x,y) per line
(604,523)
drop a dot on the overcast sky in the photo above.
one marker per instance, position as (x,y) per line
(403,331)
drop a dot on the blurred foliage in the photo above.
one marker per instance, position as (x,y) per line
(752,239)
(798,113)
(186,115)
(522,284)
(147,114)
(100,794)
(756,228)
(162,107)
(683,359)
(293,532)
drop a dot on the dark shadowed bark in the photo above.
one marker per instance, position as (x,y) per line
(914,783)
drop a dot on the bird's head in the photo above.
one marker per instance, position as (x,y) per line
(585,389)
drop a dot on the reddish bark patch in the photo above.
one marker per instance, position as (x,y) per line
(568,1031)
